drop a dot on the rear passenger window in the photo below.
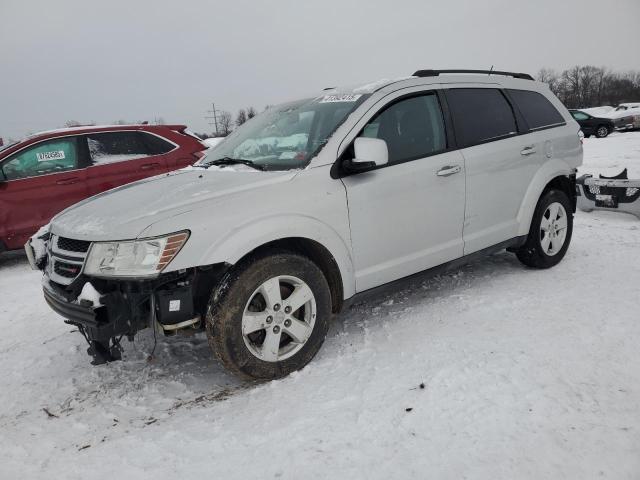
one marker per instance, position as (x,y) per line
(413,128)
(536,109)
(156,145)
(111,147)
(480,115)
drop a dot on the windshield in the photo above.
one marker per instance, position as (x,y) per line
(286,136)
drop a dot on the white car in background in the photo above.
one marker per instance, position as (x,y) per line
(312,204)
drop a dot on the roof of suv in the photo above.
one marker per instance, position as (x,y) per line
(426,77)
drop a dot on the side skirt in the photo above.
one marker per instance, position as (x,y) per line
(396,285)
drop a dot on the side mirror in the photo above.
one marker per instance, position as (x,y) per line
(369,153)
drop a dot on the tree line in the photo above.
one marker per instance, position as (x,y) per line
(584,86)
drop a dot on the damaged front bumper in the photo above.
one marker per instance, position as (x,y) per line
(171,301)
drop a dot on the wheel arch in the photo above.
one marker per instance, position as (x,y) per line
(554,175)
(314,251)
(304,235)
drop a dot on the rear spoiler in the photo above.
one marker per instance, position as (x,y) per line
(184,130)
(177,128)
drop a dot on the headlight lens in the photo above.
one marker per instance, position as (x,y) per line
(137,258)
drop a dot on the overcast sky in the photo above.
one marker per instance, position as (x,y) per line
(100,61)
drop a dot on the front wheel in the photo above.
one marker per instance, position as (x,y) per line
(270,316)
(550,232)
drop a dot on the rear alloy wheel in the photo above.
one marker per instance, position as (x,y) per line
(602,131)
(550,231)
(270,315)
(553,229)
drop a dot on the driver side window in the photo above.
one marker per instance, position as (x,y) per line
(412,127)
(52,156)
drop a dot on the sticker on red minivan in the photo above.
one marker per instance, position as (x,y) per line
(46,156)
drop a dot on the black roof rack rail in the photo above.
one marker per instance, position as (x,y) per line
(435,73)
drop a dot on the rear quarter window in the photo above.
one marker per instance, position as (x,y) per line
(156,145)
(480,115)
(537,111)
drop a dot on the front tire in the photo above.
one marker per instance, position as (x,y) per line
(269,316)
(550,232)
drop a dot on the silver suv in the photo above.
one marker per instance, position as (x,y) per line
(312,203)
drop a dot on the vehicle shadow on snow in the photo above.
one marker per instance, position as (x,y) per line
(422,291)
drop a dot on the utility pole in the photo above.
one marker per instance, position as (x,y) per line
(213,118)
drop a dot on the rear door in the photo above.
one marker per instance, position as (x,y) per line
(39,182)
(500,164)
(118,158)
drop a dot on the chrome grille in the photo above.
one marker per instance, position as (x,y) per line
(66,259)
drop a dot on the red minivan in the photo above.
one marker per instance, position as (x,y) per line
(47,172)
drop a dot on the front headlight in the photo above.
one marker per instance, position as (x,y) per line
(136,258)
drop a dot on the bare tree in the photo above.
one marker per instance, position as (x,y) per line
(585,86)
(241,118)
(251,112)
(551,78)
(225,123)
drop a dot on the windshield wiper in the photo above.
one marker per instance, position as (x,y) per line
(234,161)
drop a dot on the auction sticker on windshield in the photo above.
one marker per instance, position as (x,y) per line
(46,156)
(346,97)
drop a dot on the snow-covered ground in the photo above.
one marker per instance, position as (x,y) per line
(527,375)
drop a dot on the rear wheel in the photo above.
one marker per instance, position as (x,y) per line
(602,131)
(270,316)
(550,232)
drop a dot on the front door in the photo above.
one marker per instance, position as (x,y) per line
(39,182)
(407,216)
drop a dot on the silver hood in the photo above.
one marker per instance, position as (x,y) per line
(125,212)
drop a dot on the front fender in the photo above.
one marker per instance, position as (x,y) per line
(551,169)
(247,237)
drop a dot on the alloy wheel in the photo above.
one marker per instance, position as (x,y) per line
(279,318)
(553,229)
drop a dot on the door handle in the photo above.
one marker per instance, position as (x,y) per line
(449,170)
(149,166)
(528,150)
(67,181)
